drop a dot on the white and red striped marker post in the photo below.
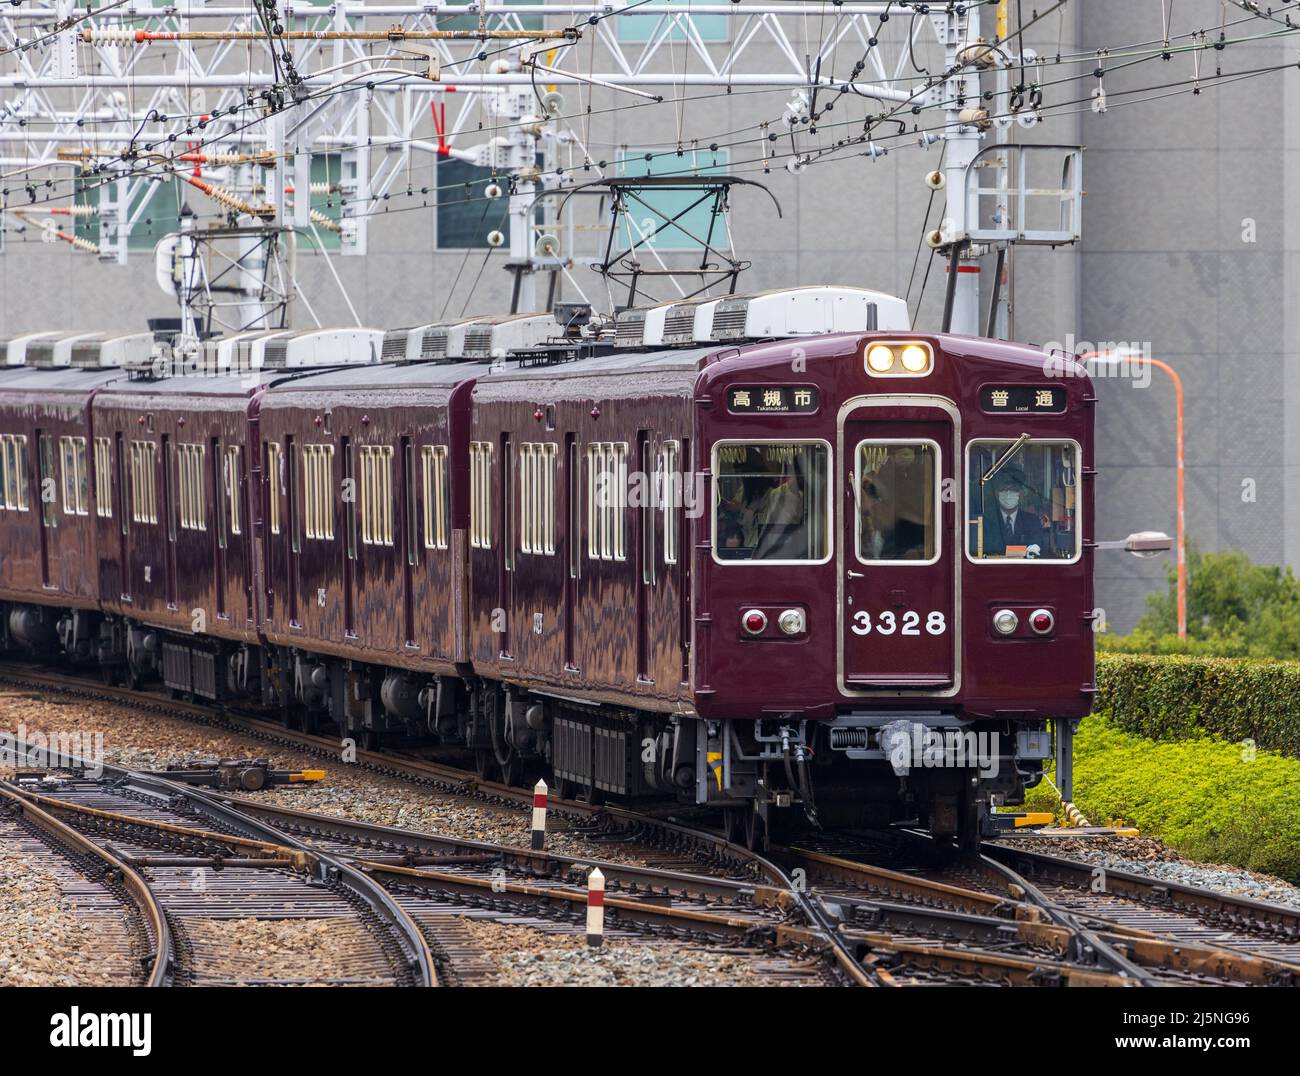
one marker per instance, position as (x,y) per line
(595,908)
(539,815)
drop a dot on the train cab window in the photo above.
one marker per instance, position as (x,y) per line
(537,499)
(232,480)
(103,478)
(897,487)
(76,492)
(144,482)
(1021,500)
(376,494)
(275,483)
(606,500)
(771,502)
(433,460)
(190,482)
(45,450)
(13,471)
(480,501)
(317,472)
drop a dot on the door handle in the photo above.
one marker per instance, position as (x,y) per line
(856,575)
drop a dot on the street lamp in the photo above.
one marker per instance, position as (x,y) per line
(1117,358)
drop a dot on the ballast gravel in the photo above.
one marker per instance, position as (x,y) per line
(528,957)
(149,741)
(1150,858)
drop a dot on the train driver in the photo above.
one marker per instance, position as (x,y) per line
(1012,527)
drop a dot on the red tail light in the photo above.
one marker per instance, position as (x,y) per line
(1042,621)
(754,621)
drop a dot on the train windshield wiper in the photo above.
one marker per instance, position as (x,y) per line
(1005,458)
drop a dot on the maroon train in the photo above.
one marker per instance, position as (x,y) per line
(842,577)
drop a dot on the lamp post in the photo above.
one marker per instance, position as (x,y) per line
(1116,358)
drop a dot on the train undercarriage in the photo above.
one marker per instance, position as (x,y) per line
(771,778)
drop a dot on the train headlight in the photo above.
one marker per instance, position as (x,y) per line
(899,358)
(791,621)
(915,358)
(1005,621)
(880,357)
(754,621)
(1042,621)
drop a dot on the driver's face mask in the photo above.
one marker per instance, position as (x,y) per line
(1009,499)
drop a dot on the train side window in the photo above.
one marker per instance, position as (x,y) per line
(771,502)
(275,483)
(13,469)
(103,478)
(193,500)
(144,482)
(433,460)
(232,483)
(408,494)
(606,500)
(377,494)
(537,499)
(669,491)
(480,508)
(72,454)
(1022,501)
(318,470)
(47,485)
(897,488)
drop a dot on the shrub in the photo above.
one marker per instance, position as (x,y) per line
(1203,796)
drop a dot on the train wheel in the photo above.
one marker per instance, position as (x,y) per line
(755,831)
(512,770)
(733,819)
(564,788)
(485,765)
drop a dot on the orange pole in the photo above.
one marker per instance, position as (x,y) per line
(1181,535)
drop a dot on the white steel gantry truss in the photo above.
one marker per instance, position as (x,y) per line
(146,92)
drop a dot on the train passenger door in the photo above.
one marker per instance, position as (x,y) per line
(169,493)
(124,514)
(899,549)
(506,561)
(572,548)
(349,536)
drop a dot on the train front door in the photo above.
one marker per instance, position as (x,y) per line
(898,547)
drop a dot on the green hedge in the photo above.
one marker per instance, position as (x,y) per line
(1178,698)
(1202,796)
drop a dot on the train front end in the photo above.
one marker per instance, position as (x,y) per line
(893,586)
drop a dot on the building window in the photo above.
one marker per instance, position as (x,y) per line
(668,218)
(670,491)
(275,483)
(154,210)
(434,466)
(76,493)
(317,470)
(537,498)
(189,464)
(232,480)
(606,499)
(13,471)
(480,502)
(377,494)
(103,478)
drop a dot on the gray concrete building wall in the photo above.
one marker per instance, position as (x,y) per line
(1172,187)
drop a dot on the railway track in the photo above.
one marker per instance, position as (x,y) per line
(109,899)
(240,903)
(993,919)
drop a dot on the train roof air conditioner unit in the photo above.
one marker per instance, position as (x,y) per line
(55,351)
(806,311)
(495,338)
(125,351)
(16,348)
(397,345)
(323,347)
(641,326)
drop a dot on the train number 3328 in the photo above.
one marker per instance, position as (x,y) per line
(909,623)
